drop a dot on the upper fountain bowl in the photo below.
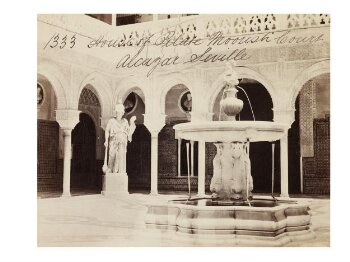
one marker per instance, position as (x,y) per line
(231,131)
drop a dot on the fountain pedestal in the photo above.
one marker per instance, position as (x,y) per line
(232,179)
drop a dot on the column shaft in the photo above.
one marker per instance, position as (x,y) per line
(67,161)
(179,157)
(201,168)
(192,158)
(284,166)
(154,164)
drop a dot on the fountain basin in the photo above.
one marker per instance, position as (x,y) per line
(262,221)
(228,131)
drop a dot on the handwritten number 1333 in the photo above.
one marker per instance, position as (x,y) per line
(61,42)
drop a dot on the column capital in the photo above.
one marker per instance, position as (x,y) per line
(67,118)
(154,133)
(67,132)
(285,115)
(154,123)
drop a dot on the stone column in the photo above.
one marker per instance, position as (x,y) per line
(284,166)
(192,157)
(154,123)
(154,163)
(67,134)
(179,157)
(201,168)
(114,20)
(67,119)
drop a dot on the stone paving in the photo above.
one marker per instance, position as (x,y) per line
(93,220)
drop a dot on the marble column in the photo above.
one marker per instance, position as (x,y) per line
(67,119)
(284,166)
(154,163)
(154,123)
(192,157)
(201,168)
(179,157)
(114,19)
(67,134)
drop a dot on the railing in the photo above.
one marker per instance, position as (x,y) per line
(189,27)
(203,26)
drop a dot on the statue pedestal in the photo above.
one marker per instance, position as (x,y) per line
(115,184)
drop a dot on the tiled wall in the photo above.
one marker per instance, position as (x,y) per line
(48,179)
(317,169)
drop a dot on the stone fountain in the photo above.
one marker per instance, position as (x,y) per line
(232,214)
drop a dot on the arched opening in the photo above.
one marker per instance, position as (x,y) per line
(83,170)
(260,152)
(87,145)
(309,139)
(49,165)
(172,153)
(138,156)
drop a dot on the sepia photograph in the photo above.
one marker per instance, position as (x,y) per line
(183,130)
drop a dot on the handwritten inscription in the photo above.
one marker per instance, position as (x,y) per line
(217,47)
(61,42)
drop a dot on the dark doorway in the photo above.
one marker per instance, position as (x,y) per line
(84,177)
(294,153)
(260,152)
(138,160)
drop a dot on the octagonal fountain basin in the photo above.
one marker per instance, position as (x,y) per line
(264,223)
(228,131)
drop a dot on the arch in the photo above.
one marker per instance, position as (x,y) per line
(316,69)
(92,118)
(128,85)
(171,81)
(101,89)
(243,72)
(83,170)
(53,74)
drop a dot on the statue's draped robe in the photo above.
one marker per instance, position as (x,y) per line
(118,139)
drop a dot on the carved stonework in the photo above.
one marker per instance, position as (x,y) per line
(230,25)
(307,20)
(231,172)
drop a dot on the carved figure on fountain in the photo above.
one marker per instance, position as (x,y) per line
(231,172)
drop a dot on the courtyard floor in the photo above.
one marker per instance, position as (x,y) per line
(93,220)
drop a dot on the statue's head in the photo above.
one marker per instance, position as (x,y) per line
(237,149)
(119,110)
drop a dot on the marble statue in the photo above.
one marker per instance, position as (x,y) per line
(231,172)
(118,132)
